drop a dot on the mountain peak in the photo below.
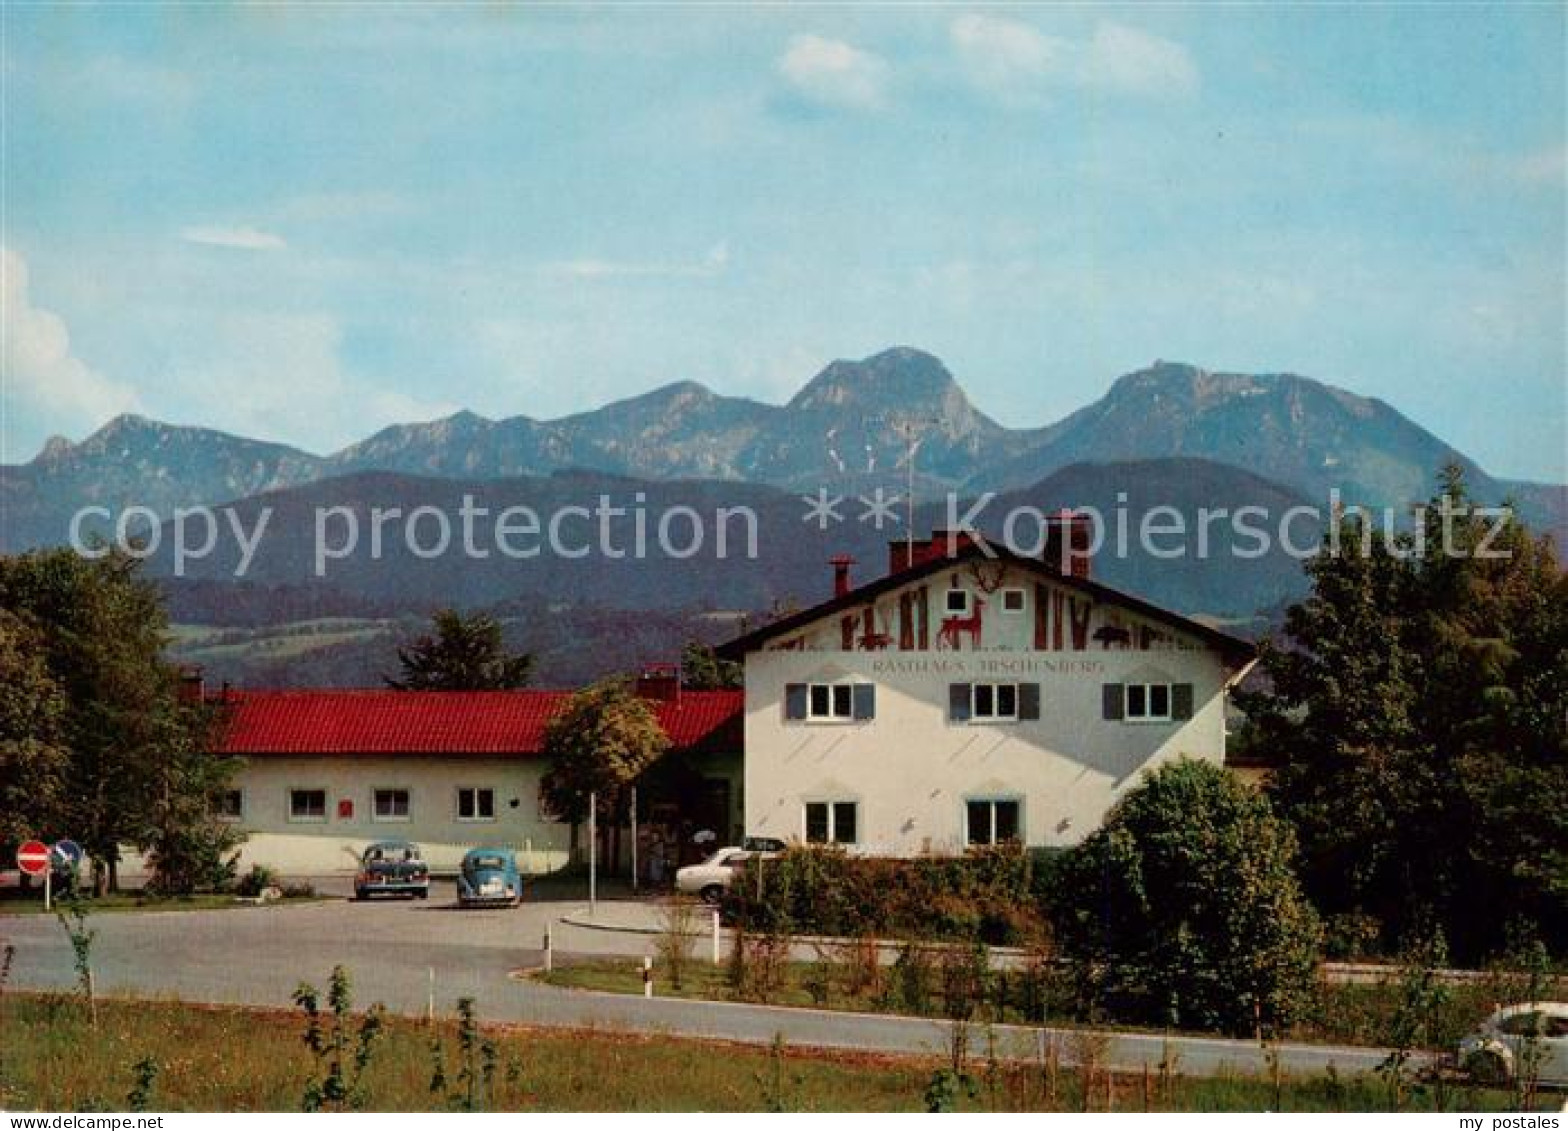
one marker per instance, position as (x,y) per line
(126,422)
(897,379)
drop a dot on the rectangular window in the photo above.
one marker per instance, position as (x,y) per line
(229,805)
(307,805)
(994,702)
(991,822)
(1012,600)
(475,804)
(1148,702)
(957,602)
(832,822)
(391,805)
(830,702)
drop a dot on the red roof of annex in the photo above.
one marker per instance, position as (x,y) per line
(446,722)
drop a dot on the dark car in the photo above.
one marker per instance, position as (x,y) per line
(489,878)
(392,867)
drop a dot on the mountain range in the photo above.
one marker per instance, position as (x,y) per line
(848,428)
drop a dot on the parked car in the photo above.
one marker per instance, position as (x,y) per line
(489,878)
(712,878)
(1496,1051)
(392,867)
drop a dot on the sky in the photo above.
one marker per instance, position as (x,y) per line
(305,222)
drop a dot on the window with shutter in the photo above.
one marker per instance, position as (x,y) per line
(1028,701)
(1181,701)
(987,702)
(829,702)
(1113,701)
(958,702)
(1148,703)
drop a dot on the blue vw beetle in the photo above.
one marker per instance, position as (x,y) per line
(489,878)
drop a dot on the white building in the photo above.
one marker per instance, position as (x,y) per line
(325,772)
(967,699)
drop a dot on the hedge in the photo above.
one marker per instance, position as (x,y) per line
(990,895)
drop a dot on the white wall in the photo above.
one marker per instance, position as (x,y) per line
(911,770)
(331,847)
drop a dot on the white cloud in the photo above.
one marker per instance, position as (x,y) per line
(241,237)
(37,367)
(833,73)
(281,374)
(1016,62)
(1134,62)
(1009,58)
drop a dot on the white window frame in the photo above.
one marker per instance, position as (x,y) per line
(832,715)
(375,808)
(231,818)
(832,805)
(993,718)
(968,603)
(1023,600)
(326,805)
(1148,698)
(477,818)
(993,800)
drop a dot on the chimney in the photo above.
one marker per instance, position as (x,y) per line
(903,555)
(193,687)
(660,683)
(841,564)
(1067,541)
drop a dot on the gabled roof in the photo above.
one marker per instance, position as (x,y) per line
(446,722)
(1235,650)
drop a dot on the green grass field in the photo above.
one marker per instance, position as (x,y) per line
(226,1059)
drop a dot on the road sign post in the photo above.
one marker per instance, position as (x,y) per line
(33,859)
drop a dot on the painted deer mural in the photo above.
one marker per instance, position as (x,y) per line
(952,627)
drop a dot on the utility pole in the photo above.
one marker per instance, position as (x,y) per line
(593,853)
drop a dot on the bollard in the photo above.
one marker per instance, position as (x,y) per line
(549,951)
(647,976)
(716,958)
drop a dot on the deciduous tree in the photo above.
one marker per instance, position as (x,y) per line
(1184,908)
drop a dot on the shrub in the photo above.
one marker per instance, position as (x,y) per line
(677,929)
(257,880)
(1183,909)
(989,895)
(194,858)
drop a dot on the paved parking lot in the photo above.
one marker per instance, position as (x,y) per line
(393,949)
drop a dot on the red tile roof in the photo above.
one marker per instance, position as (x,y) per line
(446,722)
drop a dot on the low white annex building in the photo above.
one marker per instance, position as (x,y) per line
(323,773)
(972,696)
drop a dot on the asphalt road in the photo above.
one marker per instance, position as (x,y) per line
(258,955)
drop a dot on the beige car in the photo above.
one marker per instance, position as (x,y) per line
(712,878)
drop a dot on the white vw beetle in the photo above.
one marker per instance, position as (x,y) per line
(1497,1050)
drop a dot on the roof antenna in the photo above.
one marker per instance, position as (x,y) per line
(906,428)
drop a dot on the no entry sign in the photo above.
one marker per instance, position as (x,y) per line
(33,858)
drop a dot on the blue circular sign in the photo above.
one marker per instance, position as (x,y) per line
(66,852)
